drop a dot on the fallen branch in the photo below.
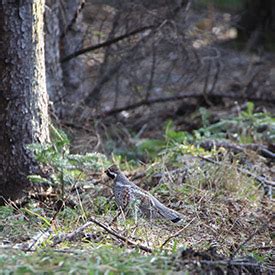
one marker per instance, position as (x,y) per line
(124,239)
(70,236)
(78,232)
(36,241)
(148,102)
(116,216)
(223,262)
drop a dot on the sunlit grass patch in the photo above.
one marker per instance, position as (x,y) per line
(104,260)
(16,226)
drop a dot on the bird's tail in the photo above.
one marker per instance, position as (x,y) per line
(166,212)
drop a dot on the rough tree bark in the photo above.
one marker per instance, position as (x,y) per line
(23,96)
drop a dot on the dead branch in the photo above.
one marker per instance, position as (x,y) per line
(148,102)
(216,77)
(70,236)
(35,241)
(260,149)
(78,232)
(92,97)
(206,82)
(106,43)
(116,216)
(124,239)
(212,261)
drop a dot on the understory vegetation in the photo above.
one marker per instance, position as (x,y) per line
(222,188)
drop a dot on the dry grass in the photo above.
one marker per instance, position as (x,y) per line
(222,208)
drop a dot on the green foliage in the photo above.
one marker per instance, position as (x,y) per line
(5,212)
(13,222)
(67,168)
(161,189)
(247,127)
(102,205)
(205,115)
(172,136)
(261,257)
(151,147)
(202,190)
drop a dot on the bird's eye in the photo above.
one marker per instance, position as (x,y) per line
(111,174)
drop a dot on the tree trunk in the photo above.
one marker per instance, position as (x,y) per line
(54,74)
(74,73)
(23,96)
(64,35)
(257,24)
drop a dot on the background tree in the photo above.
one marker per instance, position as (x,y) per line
(23,96)
(257,24)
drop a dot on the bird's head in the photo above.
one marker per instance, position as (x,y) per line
(112,171)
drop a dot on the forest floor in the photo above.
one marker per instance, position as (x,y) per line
(223,190)
(213,165)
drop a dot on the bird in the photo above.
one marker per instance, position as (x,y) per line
(131,198)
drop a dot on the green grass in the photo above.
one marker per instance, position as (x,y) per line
(220,204)
(103,260)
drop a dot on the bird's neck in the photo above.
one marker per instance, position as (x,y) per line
(121,178)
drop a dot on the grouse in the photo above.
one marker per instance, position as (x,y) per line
(130,197)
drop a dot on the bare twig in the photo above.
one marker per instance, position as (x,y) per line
(116,216)
(216,77)
(260,149)
(176,234)
(261,248)
(91,97)
(105,44)
(71,236)
(147,102)
(124,239)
